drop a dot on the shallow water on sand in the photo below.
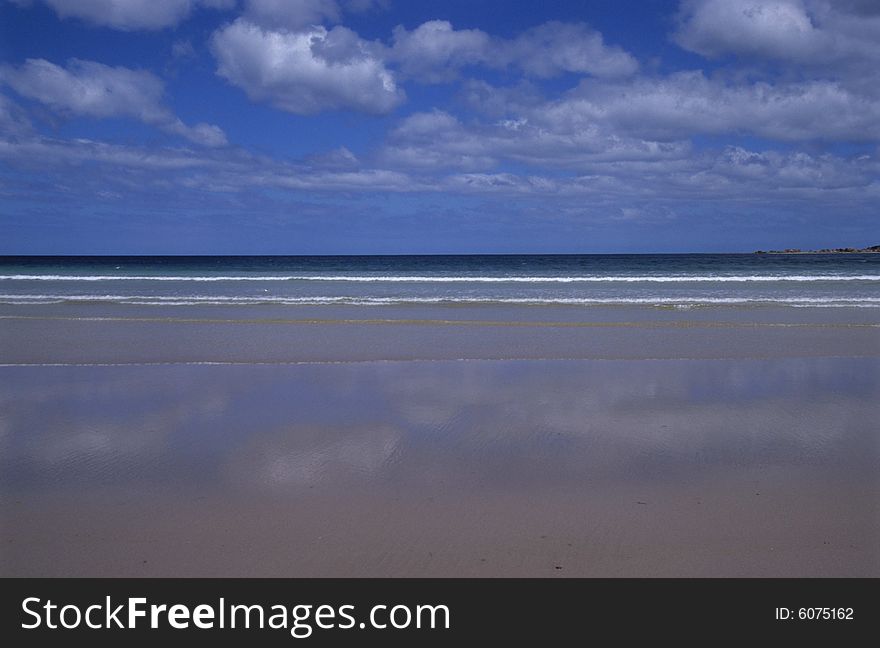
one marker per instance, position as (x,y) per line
(523,467)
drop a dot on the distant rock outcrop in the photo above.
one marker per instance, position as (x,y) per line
(874,249)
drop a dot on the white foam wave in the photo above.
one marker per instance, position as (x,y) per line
(203,300)
(452,279)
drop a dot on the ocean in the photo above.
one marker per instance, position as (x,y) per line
(677,280)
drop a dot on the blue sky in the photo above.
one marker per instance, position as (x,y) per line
(392,126)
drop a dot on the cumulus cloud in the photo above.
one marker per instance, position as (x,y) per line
(13,120)
(438,140)
(130,15)
(555,47)
(790,170)
(776,28)
(435,51)
(90,89)
(733,176)
(689,103)
(307,71)
(224,170)
(638,127)
(812,32)
(684,104)
(617,137)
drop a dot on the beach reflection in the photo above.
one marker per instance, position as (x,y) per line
(492,425)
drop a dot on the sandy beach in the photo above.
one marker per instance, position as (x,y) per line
(439,441)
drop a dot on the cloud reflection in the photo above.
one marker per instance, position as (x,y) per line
(463,424)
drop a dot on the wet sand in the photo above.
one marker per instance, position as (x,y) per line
(124,334)
(699,443)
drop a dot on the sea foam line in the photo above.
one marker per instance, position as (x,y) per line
(449,279)
(206,300)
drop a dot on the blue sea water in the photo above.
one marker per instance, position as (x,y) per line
(667,279)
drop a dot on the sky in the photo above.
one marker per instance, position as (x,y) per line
(417,127)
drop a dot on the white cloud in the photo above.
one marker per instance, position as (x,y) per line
(791,170)
(305,72)
(12,118)
(46,153)
(774,28)
(90,89)
(204,134)
(819,33)
(734,175)
(689,103)
(641,129)
(129,15)
(555,47)
(684,104)
(438,140)
(435,51)
(617,137)
(339,158)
